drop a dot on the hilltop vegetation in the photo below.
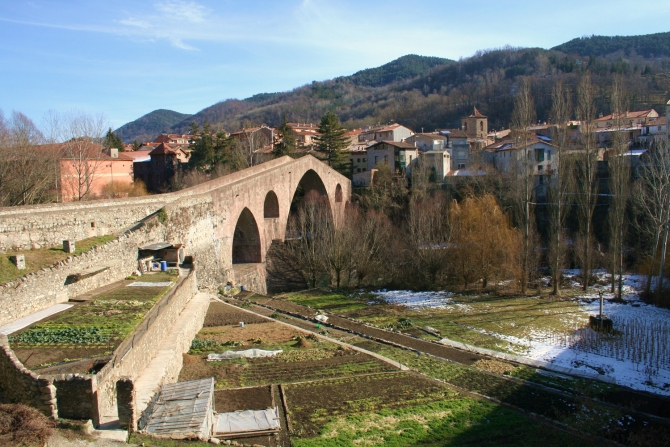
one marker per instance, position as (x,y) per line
(648,46)
(150,125)
(430,92)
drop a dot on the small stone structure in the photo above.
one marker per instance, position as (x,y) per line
(68,246)
(19,261)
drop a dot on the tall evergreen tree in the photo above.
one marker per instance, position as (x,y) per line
(112,140)
(203,153)
(333,143)
(288,144)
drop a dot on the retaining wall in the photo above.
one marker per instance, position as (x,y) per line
(44,288)
(133,355)
(20,385)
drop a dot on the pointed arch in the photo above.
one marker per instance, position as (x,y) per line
(271,206)
(338,193)
(246,239)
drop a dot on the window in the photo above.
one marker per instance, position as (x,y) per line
(539,154)
(358,160)
(548,155)
(539,168)
(461,166)
(359,170)
(410,158)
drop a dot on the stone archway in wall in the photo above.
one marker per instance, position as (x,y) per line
(271,206)
(283,274)
(246,239)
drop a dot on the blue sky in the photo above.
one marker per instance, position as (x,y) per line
(126,58)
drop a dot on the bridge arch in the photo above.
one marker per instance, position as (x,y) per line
(246,239)
(271,206)
(338,193)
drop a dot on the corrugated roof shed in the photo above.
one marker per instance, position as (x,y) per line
(181,410)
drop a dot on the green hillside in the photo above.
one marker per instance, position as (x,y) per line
(648,46)
(148,127)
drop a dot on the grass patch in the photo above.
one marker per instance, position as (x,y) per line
(44,257)
(331,301)
(462,421)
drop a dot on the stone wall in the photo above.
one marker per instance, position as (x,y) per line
(39,226)
(20,385)
(52,285)
(141,346)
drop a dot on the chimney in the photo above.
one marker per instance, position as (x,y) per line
(114,153)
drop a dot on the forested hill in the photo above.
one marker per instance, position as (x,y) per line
(428,92)
(148,127)
(649,46)
(403,68)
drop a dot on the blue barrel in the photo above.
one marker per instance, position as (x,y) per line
(163,266)
(242,288)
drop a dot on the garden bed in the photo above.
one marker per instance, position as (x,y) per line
(89,329)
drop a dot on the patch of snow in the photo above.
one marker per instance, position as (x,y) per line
(637,356)
(421,300)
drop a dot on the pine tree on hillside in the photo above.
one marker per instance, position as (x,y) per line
(332,143)
(112,140)
(288,144)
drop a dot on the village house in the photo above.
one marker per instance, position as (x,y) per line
(508,155)
(627,119)
(428,141)
(438,162)
(304,133)
(398,154)
(162,165)
(392,132)
(173,138)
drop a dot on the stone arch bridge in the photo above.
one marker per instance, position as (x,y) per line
(228,224)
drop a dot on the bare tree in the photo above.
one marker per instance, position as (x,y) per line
(28,167)
(374,238)
(652,203)
(307,236)
(429,234)
(559,186)
(523,117)
(619,184)
(82,162)
(585,170)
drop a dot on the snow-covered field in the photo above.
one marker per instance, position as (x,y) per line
(638,356)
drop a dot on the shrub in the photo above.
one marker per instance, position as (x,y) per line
(23,426)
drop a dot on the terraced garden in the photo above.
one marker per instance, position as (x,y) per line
(71,341)
(302,358)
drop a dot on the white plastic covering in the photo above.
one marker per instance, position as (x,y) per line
(321,318)
(248,354)
(249,421)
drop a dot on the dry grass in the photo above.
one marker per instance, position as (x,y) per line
(23,426)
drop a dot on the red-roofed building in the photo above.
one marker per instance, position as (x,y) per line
(158,167)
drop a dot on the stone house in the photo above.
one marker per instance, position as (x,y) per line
(163,164)
(305,133)
(438,161)
(428,141)
(509,154)
(398,154)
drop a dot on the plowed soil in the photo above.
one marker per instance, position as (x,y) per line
(220,314)
(257,398)
(271,332)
